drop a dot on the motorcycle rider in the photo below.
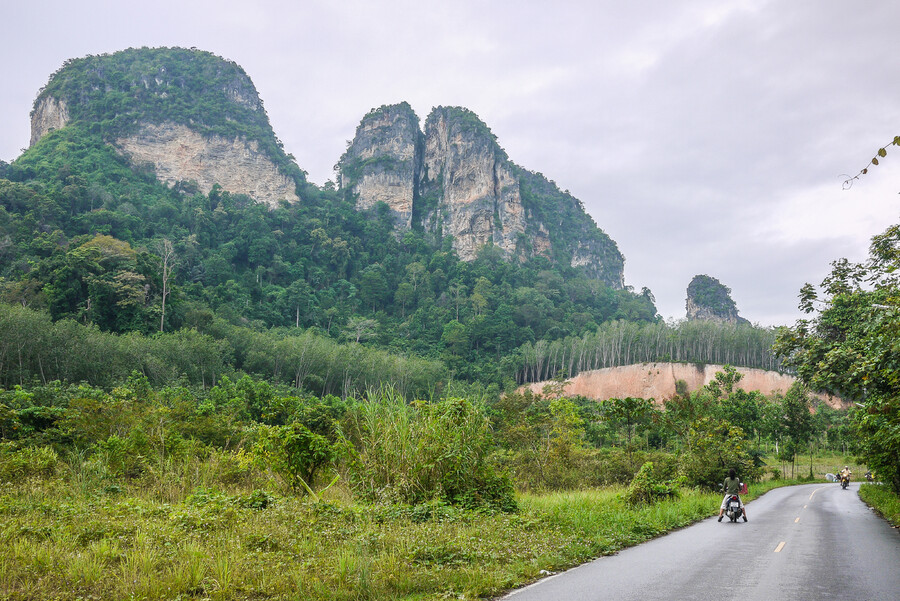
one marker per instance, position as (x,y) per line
(732,487)
(845,473)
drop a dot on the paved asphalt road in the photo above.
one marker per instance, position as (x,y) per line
(812,542)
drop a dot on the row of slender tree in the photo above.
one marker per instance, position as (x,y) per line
(618,343)
(36,350)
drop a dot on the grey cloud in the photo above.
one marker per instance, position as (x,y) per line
(686,128)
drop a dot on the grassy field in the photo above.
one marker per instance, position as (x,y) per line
(133,544)
(819,465)
(69,537)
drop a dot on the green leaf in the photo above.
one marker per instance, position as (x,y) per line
(874,161)
(882,152)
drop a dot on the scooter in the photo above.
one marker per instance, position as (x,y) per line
(734,509)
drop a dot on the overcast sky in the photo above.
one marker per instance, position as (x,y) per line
(705,136)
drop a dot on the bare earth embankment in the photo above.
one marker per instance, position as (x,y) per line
(657,381)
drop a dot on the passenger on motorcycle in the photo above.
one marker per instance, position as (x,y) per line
(732,486)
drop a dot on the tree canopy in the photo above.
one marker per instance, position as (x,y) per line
(851,346)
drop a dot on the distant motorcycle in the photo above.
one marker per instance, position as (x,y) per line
(734,509)
(870,477)
(845,482)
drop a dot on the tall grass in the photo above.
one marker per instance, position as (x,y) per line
(417,452)
(145,540)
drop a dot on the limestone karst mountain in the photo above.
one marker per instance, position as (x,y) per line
(453,179)
(709,299)
(190,116)
(187,113)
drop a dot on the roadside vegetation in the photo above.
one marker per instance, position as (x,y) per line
(883,500)
(246,490)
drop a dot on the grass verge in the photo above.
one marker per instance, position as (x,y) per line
(883,500)
(57,542)
(65,542)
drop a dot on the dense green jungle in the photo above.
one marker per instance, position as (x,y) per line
(196,388)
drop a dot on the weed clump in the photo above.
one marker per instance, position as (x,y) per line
(646,489)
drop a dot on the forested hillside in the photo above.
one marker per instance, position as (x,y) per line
(87,235)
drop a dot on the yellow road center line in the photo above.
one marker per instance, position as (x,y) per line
(814,492)
(797,520)
(805,506)
(779,547)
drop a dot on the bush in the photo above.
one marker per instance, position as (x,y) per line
(296,454)
(714,447)
(425,451)
(616,466)
(40,462)
(646,489)
(124,456)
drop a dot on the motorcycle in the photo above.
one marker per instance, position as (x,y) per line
(734,509)
(845,482)
(870,477)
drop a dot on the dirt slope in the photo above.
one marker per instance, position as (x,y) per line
(657,381)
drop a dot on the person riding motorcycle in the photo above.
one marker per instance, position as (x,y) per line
(845,473)
(732,486)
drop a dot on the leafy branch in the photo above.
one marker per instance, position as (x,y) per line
(882,152)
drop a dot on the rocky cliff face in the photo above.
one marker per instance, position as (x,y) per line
(191,114)
(709,299)
(180,154)
(195,116)
(49,114)
(382,163)
(453,179)
(477,192)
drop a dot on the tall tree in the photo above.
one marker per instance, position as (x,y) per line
(167,262)
(850,347)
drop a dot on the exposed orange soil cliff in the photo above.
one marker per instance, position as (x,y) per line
(657,381)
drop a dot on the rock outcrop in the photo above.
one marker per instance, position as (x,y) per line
(179,153)
(193,116)
(479,201)
(49,113)
(709,299)
(657,381)
(454,180)
(188,113)
(382,163)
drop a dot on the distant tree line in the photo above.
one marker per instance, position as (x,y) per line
(620,342)
(36,351)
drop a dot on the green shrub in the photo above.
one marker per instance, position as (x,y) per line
(258,499)
(415,453)
(233,468)
(123,457)
(40,462)
(646,488)
(296,454)
(714,447)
